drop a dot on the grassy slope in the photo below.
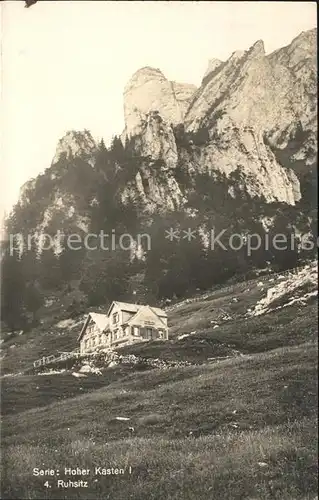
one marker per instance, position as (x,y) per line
(289,326)
(200,432)
(252,409)
(21,351)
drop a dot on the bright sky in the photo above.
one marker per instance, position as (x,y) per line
(65,64)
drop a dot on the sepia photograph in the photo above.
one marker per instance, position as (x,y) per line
(159,250)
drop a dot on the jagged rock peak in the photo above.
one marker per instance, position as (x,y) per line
(143,75)
(237,54)
(213,64)
(25,191)
(246,107)
(256,90)
(75,144)
(302,49)
(306,37)
(258,49)
(149,90)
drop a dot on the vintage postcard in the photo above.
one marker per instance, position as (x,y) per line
(158,250)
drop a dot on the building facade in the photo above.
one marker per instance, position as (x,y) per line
(123,324)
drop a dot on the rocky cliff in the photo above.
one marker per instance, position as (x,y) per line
(254,115)
(61,197)
(252,122)
(237,154)
(75,144)
(149,90)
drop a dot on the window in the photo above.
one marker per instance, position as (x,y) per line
(149,333)
(115,318)
(135,331)
(161,334)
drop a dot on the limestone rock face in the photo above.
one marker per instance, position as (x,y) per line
(269,93)
(251,124)
(26,191)
(154,186)
(300,104)
(75,144)
(183,93)
(155,189)
(59,199)
(212,66)
(243,157)
(149,90)
(156,139)
(257,112)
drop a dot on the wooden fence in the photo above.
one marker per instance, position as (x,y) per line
(52,359)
